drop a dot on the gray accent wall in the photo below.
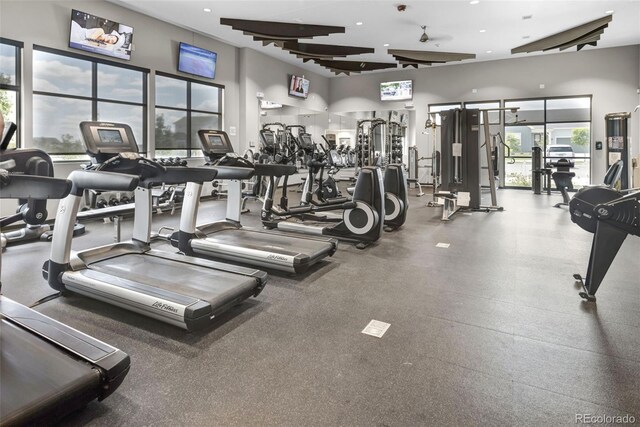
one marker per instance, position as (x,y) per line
(610,75)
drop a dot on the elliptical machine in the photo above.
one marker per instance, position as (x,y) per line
(362,218)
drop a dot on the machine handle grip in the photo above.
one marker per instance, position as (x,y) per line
(101,181)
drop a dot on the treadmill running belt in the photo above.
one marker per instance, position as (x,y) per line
(40,380)
(214,286)
(273,242)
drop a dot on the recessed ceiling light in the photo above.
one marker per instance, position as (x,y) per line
(525,37)
(474,2)
(358,23)
(483,31)
(609,12)
(206,9)
(386,45)
(489,51)
(525,17)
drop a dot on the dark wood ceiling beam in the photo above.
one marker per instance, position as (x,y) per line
(565,37)
(430,56)
(280,30)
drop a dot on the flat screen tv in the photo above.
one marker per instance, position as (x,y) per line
(299,87)
(197,61)
(396,91)
(99,35)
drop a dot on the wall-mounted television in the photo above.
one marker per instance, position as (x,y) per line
(99,35)
(197,61)
(299,87)
(396,91)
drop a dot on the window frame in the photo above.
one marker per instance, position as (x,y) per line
(544,123)
(94,99)
(190,146)
(17,86)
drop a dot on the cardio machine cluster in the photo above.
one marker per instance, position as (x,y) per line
(191,285)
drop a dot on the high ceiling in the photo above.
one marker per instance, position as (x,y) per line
(489,29)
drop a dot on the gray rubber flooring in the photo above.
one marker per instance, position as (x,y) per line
(489,331)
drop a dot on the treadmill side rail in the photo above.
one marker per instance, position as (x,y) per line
(113,363)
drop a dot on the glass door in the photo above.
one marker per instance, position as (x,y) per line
(524,129)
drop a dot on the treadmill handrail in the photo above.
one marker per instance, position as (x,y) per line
(33,187)
(102,181)
(234,172)
(181,175)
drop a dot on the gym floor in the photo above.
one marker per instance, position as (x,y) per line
(490,330)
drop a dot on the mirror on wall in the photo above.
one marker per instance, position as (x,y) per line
(344,128)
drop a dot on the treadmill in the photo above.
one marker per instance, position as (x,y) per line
(228,239)
(177,289)
(48,369)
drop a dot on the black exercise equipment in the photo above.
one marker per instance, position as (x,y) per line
(563,178)
(362,218)
(617,132)
(32,212)
(47,369)
(610,215)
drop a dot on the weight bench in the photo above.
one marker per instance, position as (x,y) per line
(449,205)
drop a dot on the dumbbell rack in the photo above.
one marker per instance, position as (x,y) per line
(364,142)
(395,139)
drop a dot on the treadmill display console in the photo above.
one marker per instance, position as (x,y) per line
(216,141)
(305,142)
(110,136)
(269,138)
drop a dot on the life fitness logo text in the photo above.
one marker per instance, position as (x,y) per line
(165,307)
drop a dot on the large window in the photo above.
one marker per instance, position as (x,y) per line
(561,127)
(10,52)
(183,107)
(70,88)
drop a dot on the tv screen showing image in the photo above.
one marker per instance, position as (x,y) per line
(396,91)
(99,35)
(299,87)
(197,61)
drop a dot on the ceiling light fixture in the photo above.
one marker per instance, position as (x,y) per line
(358,23)
(483,31)
(474,2)
(609,12)
(206,9)
(386,45)
(525,37)
(489,51)
(525,17)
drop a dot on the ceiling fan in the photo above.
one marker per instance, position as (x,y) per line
(424,37)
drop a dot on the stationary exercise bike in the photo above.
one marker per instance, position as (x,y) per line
(33,212)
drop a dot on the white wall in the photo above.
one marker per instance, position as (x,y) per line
(612,76)
(261,73)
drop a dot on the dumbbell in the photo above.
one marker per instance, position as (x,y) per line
(113,201)
(124,200)
(101,203)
